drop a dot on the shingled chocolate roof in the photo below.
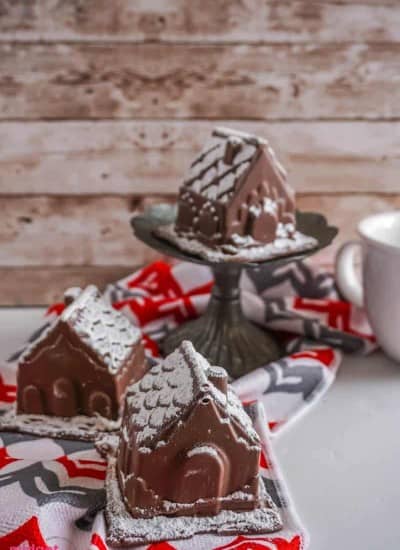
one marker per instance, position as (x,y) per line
(104,330)
(169,389)
(217,170)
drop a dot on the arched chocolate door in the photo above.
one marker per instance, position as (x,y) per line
(262,226)
(208,222)
(204,474)
(32,400)
(64,399)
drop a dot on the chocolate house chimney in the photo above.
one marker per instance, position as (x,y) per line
(219,377)
(71,294)
(232,147)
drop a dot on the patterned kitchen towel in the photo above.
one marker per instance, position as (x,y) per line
(48,487)
(45,485)
(300,299)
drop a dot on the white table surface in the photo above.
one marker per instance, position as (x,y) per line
(341,461)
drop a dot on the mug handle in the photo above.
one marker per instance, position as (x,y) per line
(347,280)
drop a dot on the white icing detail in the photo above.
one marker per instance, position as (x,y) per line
(30,348)
(59,386)
(203,449)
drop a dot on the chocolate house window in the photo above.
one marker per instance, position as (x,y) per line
(100,403)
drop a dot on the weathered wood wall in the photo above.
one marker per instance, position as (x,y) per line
(103,104)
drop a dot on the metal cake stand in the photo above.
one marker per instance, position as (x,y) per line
(223,334)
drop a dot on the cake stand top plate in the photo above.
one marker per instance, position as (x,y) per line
(309,223)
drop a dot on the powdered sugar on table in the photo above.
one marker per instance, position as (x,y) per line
(124,530)
(81,428)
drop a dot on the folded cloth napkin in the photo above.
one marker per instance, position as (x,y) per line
(47,485)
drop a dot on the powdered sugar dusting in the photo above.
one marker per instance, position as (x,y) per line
(83,428)
(124,530)
(211,176)
(106,331)
(268,205)
(244,249)
(166,392)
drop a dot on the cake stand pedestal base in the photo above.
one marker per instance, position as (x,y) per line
(223,334)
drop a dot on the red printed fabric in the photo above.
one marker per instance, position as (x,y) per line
(46,485)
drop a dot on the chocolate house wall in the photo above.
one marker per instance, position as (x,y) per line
(262,182)
(204,218)
(63,377)
(167,473)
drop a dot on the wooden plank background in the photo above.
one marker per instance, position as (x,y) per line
(103,104)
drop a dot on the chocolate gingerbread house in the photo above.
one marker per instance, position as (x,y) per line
(187,447)
(236,193)
(82,363)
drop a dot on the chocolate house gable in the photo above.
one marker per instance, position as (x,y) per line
(187,446)
(236,187)
(82,363)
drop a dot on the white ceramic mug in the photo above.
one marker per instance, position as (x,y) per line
(379,291)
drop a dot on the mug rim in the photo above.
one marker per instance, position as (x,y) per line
(377,242)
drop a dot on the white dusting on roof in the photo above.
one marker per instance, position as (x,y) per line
(165,391)
(217,372)
(210,176)
(169,389)
(106,331)
(213,178)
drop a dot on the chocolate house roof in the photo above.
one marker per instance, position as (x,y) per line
(104,330)
(169,389)
(219,168)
